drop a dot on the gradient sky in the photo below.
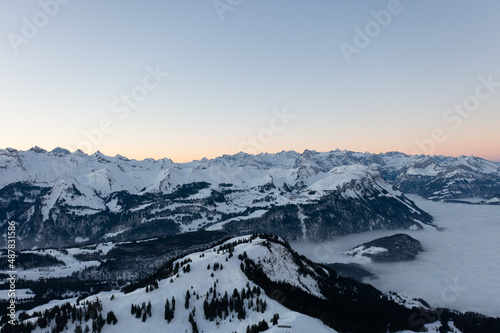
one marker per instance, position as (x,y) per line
(228,78)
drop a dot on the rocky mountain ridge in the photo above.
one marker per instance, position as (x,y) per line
(59,198)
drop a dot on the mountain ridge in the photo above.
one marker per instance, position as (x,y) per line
(61,198)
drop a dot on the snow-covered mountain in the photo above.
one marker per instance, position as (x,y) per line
(246,284)
(60,198)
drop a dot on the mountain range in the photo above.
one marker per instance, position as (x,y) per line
(59,198)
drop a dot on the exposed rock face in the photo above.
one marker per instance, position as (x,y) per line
(335,215)
(399,247)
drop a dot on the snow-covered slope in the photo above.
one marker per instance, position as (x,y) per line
(250,280)
(204,283)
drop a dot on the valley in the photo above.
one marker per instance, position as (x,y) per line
(459,267)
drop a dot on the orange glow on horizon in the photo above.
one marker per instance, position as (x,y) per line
(181,155)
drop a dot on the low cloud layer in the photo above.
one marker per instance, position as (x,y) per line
(459,269)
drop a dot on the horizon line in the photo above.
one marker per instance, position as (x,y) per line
(97,152)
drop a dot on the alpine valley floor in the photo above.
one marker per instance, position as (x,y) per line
(460,265)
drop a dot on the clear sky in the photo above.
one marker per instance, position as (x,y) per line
(192,79)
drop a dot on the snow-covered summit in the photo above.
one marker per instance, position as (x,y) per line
(43,168)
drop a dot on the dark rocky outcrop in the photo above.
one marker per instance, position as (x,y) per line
(400,247)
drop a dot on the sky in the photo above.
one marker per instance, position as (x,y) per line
(192,79)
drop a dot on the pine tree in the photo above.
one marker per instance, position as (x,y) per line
(111,318)
(188,295)
(167,311)
(193,323)
(263,326)
(274,321)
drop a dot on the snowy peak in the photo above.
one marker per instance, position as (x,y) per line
(60,151)
(41,167)
(308,196)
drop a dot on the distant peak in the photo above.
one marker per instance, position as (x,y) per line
(38,150)
(60,151)
(80,152)
(121,157)
(309,152)
(242,153)
(393,153)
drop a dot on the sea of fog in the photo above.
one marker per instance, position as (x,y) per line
(460,265)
